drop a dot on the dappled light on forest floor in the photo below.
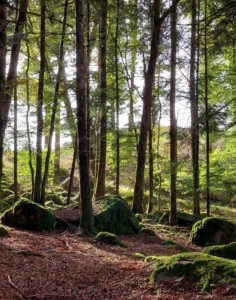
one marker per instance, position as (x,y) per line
(72,266)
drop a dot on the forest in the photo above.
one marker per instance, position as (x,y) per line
(117,149)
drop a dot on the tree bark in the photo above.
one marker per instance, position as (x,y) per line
(12,72)
(55,104)
(27,121)
(3,25)
(207,118)
(38,173)
(194,114)
(86,220)
(100,188)
(117,102)
(147,100)
(173,122)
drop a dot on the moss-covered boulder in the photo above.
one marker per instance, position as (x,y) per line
(115,216)
(213,231)
(148,231)
(183,218)
(205,270)
(3,232)
(177,246)
(109,238)
(226,251)
(55,198)
(28,215)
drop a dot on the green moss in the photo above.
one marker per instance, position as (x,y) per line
(115,216)
(213,231)
(139,217)
(3,232)
(29,215)
(141,226)
(55,198)
(177,246)
(226,251)
(198,267)
(139,255)
(183,218)
(148,231)
(109,238)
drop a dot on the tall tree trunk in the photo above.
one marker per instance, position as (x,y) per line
(173,122)
(27,121)
(194,114)
(55,104)
(134,26)
(12,72)
(57,160)
(3,25)
(88,81)
(38,174)
(72,171)
(100,188)
(86,220)
(151,185)
(117,101)
(207,119)
(15,146)
(147,100)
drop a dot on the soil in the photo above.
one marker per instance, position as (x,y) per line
(68,265)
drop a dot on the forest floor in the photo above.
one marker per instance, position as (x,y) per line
(66,265)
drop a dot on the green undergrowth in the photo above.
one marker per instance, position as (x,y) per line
(109,238)
(226,251)
(205,270)
(177,246)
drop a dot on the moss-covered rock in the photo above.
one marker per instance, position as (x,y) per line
(213,231)
(115,216)
(183,218)
(177,246)
(148,231)
(109,238)
(3,232)
(55,198)
(204,269)
(226,251)
(139,217)
(25,214)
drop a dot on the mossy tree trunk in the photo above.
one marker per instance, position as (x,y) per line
(86,221)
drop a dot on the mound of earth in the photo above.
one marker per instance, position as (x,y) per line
(28,215)
(204,269)
(115,216)
(213,231)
